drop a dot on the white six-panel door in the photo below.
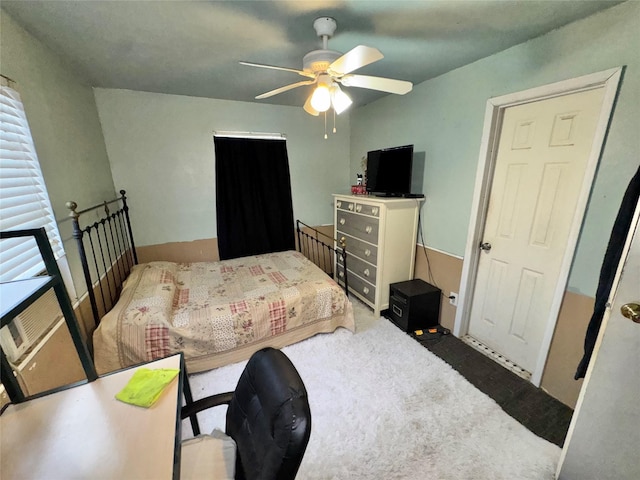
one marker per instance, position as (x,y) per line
(543,152)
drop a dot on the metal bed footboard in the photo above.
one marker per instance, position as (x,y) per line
(107,251)
(323,254)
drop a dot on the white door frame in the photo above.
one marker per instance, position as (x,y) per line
(609,79)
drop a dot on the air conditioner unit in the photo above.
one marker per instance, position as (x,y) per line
(30,326)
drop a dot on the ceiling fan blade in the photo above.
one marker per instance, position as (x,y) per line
(389,85)
(284,89)
(272,67)
(355,58)
(309,109)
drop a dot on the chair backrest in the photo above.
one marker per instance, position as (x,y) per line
(269,418)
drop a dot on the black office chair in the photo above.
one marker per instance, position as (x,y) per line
(268,417)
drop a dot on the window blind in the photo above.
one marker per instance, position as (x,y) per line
(24,202)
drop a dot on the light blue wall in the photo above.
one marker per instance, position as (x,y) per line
(444,119)
(64,123)
(160,146)
(161,151)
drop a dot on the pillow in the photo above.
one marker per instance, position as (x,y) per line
(160,272)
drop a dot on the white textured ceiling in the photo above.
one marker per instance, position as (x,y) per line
(193,47)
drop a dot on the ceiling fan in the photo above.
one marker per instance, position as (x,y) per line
(328,69)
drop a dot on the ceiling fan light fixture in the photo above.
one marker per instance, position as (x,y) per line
(328,68)
(321,98)
(309,109)
(339,99)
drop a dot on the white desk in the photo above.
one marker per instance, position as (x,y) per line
(84,432)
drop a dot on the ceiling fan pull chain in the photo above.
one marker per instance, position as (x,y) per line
(334,120)
(325,125)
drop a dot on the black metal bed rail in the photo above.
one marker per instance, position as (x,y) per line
(112,251)
(323,254)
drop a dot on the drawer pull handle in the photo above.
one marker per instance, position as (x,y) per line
(341,274)
(339,204)
(374,210)
(397,311)
(365,290)
(351,206)
(358,208)
(368,229)
(342,221)
(366,272)
(367,252)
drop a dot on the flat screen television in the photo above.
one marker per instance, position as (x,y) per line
(389,171)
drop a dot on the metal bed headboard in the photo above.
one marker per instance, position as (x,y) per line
(110,248)
(323,254)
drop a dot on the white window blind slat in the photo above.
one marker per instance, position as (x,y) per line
(16,179)
(32,267)
(21,220)
(14,133)
(13,191)
(13,165)
(26,260)
(10,137)
(20,216)
(9,111)
(18,151)
(18,156)
(14,251)
(24,202)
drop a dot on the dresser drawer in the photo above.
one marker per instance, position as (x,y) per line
(365,228)
(361,249)
(359,267)
(357,285)
(345,205)
(365,209)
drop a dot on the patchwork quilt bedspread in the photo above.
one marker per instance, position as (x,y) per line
(207,308)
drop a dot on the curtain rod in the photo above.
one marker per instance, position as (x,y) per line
(280,136)
(7,82)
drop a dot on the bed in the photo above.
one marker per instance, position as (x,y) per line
(216,313)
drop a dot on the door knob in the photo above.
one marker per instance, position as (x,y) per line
(486,246)
(631,311)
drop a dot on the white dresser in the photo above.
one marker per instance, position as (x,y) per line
(380,235)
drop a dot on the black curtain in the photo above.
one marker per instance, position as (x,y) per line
(253,197)
(608,270)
